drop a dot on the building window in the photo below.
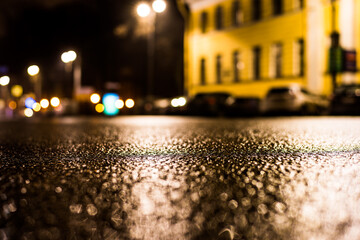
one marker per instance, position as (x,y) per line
(298,4)
(275,64)
(256,7)
(278,60)
(203,21)
(277,7)
(219,18)
(203,71)
(218,69)
(236,66)
(298,60)
(236,14)
(256,62)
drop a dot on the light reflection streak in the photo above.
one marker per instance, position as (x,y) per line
(330,209)
(156,197)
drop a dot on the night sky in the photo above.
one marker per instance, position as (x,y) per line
(107,35)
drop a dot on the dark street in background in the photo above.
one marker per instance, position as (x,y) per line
(108,36)
(180,178)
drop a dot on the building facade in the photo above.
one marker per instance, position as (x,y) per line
(245,47)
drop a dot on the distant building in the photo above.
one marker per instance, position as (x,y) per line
(245,47)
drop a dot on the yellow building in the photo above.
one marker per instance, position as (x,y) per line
(245,47)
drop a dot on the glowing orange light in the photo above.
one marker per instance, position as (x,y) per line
(12,105)
(99,108)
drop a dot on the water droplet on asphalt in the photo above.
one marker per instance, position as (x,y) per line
(91,209)
(223,196)
(75,208)
(58,189)
(233,204)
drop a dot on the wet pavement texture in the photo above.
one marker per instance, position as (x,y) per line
(155,177)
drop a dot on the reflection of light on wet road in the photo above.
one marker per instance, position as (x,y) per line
(181,178)
(155,194)
(323,201)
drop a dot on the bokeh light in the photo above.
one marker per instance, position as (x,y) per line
(4,80)
(16,90)
(159,6)
(99,108)
(129,103)
(55,101)
(119,103)
(143,10)
(109,100)
(28,112)
(12,105)
(178,102)
(33,70)
(182,101)
(44,103)
(29,102)
(95,98)
(36,107)
(68,56)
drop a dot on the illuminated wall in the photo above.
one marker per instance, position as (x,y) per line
(248,51)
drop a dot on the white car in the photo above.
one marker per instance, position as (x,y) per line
(293,99)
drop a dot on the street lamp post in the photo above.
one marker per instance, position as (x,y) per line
(4,82)
(33,72)
(69,58)
(335,55)
(145,11)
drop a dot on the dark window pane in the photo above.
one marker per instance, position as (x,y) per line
(301,2)
(256,63)
(278,61)
(256,9)
(202,71)
(236,62)
(236,14)
(301,54)
(219,18)
(277,7)
(218,69)
(203,21)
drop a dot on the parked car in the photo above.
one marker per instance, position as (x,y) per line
(346,100)
(293,99)
(243,106)
(209,104)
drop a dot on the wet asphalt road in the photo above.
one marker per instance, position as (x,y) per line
(180,178)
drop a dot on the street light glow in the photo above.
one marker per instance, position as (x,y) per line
(29,102)
(55,102)
(129,103)
(143,10)
(178,102)
(44,103)
(99,108)
(119,103)
(109,100)
(4,80)
(36,107)
(159,6)
(12,105)
(95,98)
(28,112)
(17,90)
(33,70)
(68,56)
